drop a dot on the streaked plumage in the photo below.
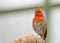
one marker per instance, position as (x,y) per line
(39,24)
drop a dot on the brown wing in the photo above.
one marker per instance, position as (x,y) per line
(43,30)
(40,28)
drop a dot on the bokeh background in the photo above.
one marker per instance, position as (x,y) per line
(16,18)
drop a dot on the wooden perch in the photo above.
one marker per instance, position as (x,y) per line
(29,39)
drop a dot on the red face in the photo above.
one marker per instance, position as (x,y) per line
(38,13)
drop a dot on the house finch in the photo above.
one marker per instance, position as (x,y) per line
(39,23)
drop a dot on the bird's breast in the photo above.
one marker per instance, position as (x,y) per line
(37,19)
(38,26)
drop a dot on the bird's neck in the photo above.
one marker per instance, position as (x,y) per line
(37,18)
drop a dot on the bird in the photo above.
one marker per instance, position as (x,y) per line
(39,23)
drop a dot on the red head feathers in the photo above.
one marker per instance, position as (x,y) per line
(38,14)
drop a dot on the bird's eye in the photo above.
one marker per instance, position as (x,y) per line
(37,12)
